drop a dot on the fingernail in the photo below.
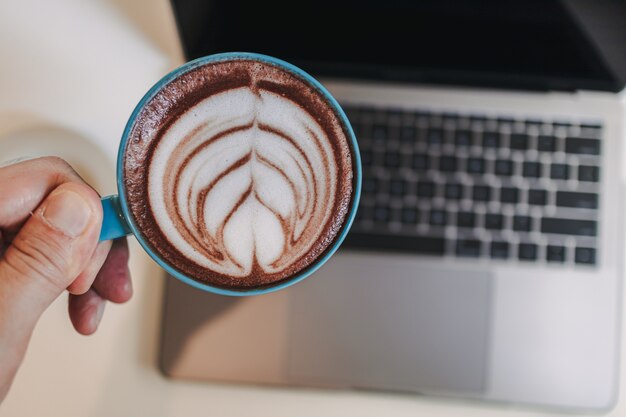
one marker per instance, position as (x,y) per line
(128,285)
(68,212)
(95,319)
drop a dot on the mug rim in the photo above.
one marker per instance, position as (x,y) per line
(226,56)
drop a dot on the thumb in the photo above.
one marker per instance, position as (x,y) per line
(52,248)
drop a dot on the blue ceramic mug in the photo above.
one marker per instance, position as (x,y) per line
(118,221)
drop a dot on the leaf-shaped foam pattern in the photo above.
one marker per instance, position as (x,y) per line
(243,182)
(238,173)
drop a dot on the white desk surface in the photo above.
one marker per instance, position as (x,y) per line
(79,67)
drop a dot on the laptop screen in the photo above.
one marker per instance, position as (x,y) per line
(534,44)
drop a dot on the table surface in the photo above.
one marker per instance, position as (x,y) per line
(71,73)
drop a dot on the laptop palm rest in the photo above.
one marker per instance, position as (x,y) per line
(386,322)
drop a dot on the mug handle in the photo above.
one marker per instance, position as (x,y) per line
(114,224)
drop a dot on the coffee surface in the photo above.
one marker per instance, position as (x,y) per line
(238,174)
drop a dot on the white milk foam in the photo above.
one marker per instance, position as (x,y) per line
(256,182)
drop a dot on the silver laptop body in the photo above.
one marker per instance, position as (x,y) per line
(512,297)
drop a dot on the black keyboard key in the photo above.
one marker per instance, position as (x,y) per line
(370,185)
(494,221)
(468,248)
(537,197)
(449,117)
(582,146)
(425,189)
(527,251)
(465,219)
(503,167)
(351,112)
(509,195)
(381,214)
(561,124)
(522,223)
(478,118)
(476,165)
(533,122)
(585,256)
(555,253)
(505,121)
(519,141)
(463,138)
(531,169)
(435,136)
(448,163)
(559,171)
(367,114)
(409,215)
(362,133)
(569,226)
(420,162)
(364,212)
(453,191)
(392,159)
(358,132)
(395,214)
(577,200)
(380,132)
(499,250)
(438,217)
(491,140)
(393,115)
(397,187)
(412,244)
(408,134)
(588,173)
(481,193)
(422,115)
(367,158)
(546,143)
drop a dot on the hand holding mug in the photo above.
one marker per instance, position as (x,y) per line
(49,226)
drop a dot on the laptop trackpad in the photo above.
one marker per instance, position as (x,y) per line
(382,322)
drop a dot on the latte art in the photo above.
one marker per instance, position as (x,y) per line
(243,180)
(238,174)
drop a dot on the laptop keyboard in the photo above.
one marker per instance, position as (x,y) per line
(477,187)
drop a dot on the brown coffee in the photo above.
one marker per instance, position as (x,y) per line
(239,174)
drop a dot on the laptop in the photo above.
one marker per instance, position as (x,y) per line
(486,259)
